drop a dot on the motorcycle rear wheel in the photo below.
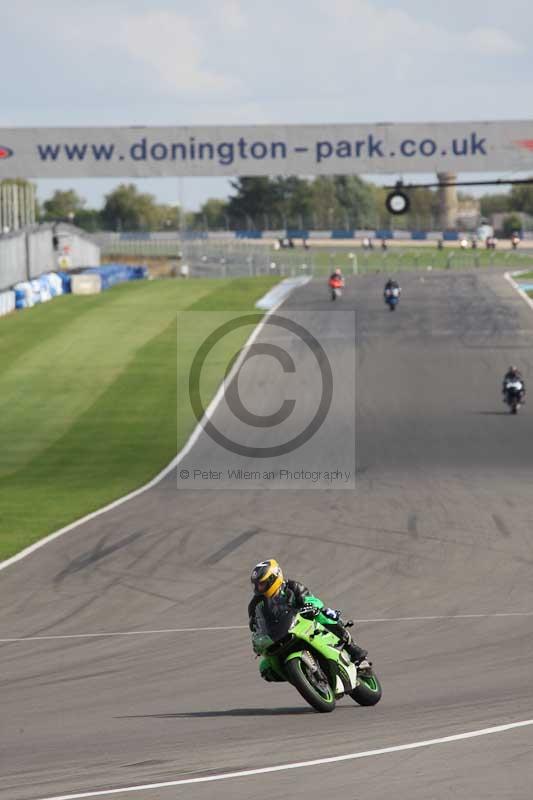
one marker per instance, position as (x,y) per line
(368,692)
(299,674)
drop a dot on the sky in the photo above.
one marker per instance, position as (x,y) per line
(156,62)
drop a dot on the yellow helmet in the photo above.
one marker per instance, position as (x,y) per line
(267,578)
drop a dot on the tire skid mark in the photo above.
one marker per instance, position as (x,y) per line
(502,527)
(230,547)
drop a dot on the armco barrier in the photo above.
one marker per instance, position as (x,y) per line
(340,234)
(128,236)
(401,236)
(248,234)
(7,302)
(297,233)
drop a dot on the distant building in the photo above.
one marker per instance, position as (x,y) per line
(17,206)
(468,214)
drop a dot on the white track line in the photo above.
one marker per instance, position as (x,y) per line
(509,277)
(123,633)
(245,627)
(301,764)
(195,435)
(450,616)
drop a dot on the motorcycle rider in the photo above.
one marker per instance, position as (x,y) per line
(336,276)
(268,582)
(391,284)
(336,281)
(513,374)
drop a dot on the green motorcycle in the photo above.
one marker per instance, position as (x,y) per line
(296,646)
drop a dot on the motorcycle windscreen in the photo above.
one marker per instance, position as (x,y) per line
(275,617)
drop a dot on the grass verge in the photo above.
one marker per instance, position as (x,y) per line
(88,396)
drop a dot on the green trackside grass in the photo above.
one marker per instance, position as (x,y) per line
(527,277)
(395,258)
(89,397)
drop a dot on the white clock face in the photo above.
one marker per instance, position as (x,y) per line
(397,203)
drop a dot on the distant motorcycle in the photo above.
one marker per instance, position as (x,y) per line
(392,297)
(336,285)
(514,395)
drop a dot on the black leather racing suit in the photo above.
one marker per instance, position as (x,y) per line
(295,591)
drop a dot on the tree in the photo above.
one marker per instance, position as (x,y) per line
(381,218)
(355,200)
(511,224)
(343,201)
(127,209)
(167,218)
(256,200)
(294,202)
(63,205)
(89,219)
(424,211)
(422,215)
(213,214)
(522,199)
(494,204)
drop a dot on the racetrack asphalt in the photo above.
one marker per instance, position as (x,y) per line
(439,524)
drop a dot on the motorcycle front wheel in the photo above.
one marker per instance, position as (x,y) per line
(368,692)
(313,688)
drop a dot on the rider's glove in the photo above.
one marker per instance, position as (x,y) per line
(310,610)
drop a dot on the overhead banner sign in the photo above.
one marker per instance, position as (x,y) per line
(141,152)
